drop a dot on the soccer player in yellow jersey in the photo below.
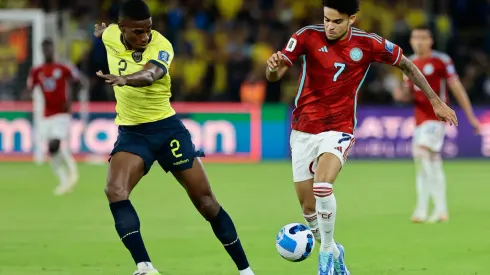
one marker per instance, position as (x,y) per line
(139,60)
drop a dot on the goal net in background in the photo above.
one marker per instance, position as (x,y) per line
(21,35)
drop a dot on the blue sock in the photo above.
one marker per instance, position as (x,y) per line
(225,231)
(128,228)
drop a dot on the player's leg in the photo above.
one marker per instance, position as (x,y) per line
(332,153)
(421,157)
(428,146)
(435,140)
(60,132)
(196,183)
(56,162)
(130,160)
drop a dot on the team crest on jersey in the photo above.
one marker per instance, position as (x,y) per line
(390,47)
(356,54)
(164,56)
(428,69)
(137,56)
(56,73)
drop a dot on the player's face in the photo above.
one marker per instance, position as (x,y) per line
(48,51)
(421,41)
(336,24)
(136,33)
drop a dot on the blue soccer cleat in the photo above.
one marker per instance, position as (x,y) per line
(325,263)
(339,264)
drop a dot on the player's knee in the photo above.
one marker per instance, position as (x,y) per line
(328,168)
(115,193)
(54,146)
(208,206)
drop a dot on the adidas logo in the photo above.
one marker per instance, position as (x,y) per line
(323,49)
(339,148)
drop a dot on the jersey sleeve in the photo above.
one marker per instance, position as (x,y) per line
(386,52)
(162,55)
(71,72)
(449,69)
(32,79)
(294,48)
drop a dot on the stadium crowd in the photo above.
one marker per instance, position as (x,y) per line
(221,45)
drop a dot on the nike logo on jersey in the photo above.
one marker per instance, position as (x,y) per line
(323,49)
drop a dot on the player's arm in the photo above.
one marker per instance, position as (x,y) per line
(461,97)
(150,73)
(279,63)
(404,93)
(415,75)
(31,84)
(276,67)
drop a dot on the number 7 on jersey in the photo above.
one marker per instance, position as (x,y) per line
(341,67)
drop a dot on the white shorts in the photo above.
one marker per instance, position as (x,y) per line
(429,134)
(306,148)
(56,127)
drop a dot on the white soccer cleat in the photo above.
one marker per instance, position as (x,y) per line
(148,272)
(436,218)
(67,187)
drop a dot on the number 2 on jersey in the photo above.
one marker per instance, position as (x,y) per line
(122,66)
(342,67)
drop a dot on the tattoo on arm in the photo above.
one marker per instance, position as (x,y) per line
(412,72)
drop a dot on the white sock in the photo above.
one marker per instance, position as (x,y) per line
(439,178)
(312,221)
(69,162)
(145,266)
(326,207)
(58,168)
(422,184)
(247,271)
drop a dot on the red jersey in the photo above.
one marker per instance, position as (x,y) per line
(332,74)
(438,69)
(52,78)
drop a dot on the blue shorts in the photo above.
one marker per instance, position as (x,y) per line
(166,141)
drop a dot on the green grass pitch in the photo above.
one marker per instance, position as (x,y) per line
(75,235)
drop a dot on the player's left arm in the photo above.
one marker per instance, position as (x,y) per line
(444,112)
(154,70)
(461,97)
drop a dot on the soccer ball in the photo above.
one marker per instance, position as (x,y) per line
(295,242)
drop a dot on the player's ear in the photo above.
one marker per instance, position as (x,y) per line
(352,19)
(121,26)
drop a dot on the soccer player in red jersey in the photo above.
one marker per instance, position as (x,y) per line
(335,59)
(52,77)
(429,134)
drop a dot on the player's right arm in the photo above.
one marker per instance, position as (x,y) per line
(279,63)
(32,82)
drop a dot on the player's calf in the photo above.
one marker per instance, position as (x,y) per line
(304,191)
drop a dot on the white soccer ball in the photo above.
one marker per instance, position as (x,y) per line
(295,242)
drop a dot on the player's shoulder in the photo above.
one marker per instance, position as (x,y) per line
(111,34)
(311,31)
(159,42)
(443,57)
(364,37)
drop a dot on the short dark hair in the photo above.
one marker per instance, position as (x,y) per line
(48,41)
(349,7)
(423,27)
(134,10)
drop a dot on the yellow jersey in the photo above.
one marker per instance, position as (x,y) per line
(137,105)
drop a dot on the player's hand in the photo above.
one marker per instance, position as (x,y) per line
(445,113)
(475,123)
(99,29)
(276,61)
(114,80)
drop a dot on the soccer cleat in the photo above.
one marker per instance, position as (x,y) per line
(325,263)
(417,219)
(67,187)
(339,264)
(152,272)
(435,218)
